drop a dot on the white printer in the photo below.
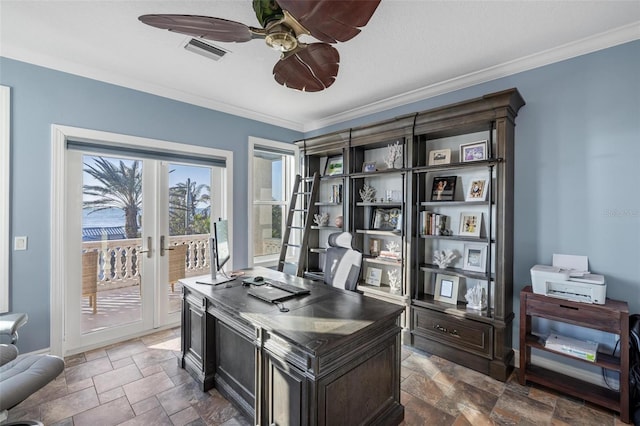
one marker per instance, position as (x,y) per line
(566,282)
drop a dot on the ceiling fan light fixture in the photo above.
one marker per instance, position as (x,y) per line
(281,38)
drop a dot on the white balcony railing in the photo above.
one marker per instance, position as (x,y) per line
(119,260)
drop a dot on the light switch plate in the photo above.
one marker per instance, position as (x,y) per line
(20,243)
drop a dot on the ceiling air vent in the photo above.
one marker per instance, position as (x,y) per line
(205,49)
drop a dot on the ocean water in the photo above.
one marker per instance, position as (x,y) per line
(103,218)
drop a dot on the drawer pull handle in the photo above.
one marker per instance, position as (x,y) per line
(453,332)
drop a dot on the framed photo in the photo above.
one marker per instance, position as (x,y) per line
(470,224)
(374,276)
(334,166)
(474,258)
(439,156)
(369,166)
(386,219)
(375,245)
(473,151)
(447,289)
(477,190)
(444,188)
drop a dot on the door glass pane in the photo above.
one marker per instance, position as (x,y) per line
(111,243)
(189,226)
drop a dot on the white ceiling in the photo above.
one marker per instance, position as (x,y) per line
(410,50)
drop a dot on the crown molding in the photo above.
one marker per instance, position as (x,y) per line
(102,75)
(563,52)
(566,51)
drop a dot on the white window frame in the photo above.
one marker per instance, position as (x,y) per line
(264,145)
(5,210)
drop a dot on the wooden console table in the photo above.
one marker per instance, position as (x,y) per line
(612,317)
(332,358)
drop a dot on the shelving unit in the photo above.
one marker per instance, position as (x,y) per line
(612,317)
(481,340)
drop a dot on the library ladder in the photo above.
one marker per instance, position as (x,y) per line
(294,262)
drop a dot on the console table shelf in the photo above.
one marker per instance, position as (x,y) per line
(612,317)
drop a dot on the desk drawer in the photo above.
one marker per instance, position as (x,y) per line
(472,336)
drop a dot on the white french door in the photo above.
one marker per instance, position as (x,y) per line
(132,226)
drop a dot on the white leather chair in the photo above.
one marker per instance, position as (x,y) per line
(342,262)
(22,376)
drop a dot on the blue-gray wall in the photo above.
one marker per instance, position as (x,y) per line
(41,97)
(577,167)
(577,162)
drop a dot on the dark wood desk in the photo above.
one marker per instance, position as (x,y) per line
(333,359)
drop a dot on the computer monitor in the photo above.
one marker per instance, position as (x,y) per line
(220,254)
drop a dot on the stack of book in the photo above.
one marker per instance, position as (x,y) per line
(433,223)
(390,255)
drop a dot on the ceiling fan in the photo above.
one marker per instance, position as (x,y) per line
(308,67)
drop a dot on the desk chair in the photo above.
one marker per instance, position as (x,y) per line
(342,262)
(21,377)
(10,323)
(90,278)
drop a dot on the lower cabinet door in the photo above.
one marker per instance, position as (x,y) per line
(285,393)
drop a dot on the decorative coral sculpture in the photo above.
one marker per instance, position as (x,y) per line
(393,153)
(393,247)
(368,193)
(394,280)
(321,219)
(444,258)
(476,298)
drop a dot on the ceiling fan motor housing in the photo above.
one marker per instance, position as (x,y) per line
(281,38)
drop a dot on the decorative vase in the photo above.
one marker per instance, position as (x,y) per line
(339,221)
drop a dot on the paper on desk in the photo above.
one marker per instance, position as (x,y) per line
(578,266)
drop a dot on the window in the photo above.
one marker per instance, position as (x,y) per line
(272,169)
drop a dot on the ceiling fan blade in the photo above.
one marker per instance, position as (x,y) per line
(311,69)
(331,20)
(207,27)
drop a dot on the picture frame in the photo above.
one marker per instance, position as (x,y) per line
(446,289)
(375,246)
(470,224)
(439,156)
(474,258)
(369,166)
(374,276)
(474,151)
(334,166)
(477,190)
(443,188)
(386,219)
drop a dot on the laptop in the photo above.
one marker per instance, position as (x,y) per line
(270,294)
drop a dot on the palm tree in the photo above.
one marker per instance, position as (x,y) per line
(120,187)
(184,217)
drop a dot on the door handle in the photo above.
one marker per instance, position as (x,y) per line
(162,247)
(148,250)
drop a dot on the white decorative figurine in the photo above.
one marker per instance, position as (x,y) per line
(368,193)
(394,280)
(393,153)
(393,247)
(476,298)
(444,258)
(321,219)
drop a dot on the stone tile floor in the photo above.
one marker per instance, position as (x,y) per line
(138,382)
